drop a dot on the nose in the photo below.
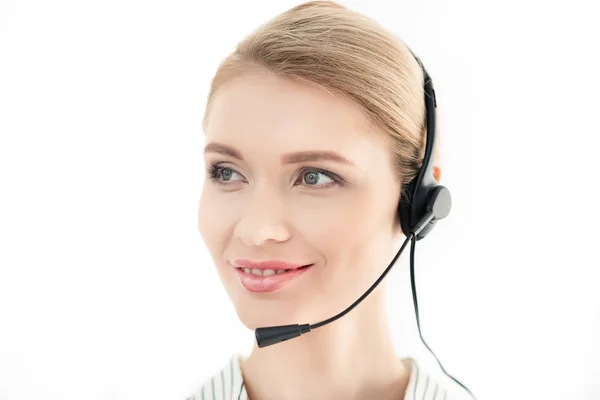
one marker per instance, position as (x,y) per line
(263,219)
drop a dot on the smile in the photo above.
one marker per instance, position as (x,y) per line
(265,272)
(268,280)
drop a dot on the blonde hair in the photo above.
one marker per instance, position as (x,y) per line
(350,55)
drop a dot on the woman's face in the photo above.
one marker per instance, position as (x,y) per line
(296,177)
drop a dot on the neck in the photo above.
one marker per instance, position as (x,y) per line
(351,358)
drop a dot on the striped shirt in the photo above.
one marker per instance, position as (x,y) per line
(228,384)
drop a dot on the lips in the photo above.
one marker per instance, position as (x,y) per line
(267,276)
(271,264)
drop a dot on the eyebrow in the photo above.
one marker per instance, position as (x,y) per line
(289,158)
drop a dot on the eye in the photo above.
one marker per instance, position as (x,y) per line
(221,175)
(316,177)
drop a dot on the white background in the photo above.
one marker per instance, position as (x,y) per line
(106,289)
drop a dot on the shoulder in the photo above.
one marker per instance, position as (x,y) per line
(224,384)
(425,385)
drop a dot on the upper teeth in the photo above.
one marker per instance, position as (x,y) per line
(263,272)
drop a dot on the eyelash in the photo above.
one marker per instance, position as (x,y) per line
(214,168)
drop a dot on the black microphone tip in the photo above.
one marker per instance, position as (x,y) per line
(275,334)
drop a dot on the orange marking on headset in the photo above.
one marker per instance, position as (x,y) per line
(437,173)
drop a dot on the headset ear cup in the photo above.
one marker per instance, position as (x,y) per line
(432,198)
(439,201)
(435,199)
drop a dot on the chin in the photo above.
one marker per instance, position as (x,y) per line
(254,313)
(256,310)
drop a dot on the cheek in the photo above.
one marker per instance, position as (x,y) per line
(213,223)
(343,235)
(204,220)
(342,222)
(354,238)
(215,227)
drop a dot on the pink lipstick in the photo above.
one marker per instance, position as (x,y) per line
(267,276)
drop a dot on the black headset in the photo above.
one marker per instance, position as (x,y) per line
(424,193)
(425,201)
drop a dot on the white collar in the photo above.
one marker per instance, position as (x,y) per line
(228,384)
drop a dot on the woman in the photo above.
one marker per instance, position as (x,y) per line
(314,126)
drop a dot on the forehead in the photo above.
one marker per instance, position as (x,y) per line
(254,110)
